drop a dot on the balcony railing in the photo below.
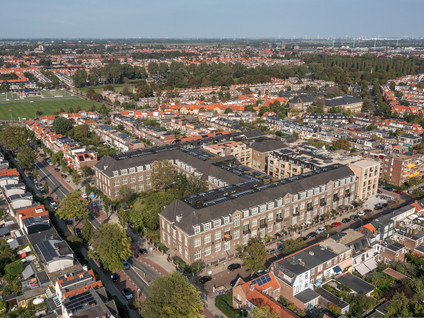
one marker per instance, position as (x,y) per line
(227,237)
(279,219)
(246,231)
(263,225)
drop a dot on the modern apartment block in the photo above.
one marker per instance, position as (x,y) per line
(211,225)
(368,173)
(397,168)
(232,148)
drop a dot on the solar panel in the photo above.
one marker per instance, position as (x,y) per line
(262,280)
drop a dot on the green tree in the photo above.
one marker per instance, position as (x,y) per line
(111,245)
(172,296)
(263,312)
(148,209)
(343,144)
(80,78)
(35,173)
(72,206)
(254,255)
(87,229)
(163,174)
(62,125)
(228,110)
(26,156)
(289,246)
(46,187)
(125,194)
(14,268)
(76,178)
(12,137)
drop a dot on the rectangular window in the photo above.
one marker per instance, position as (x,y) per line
(140,177)
(179,237)
(197,254)
(125,181)
(132,179)
(208,251)
(216,223)
(227,245)
(206,226)
(237,220)
(319,269)
(197,242)
(185,241)
(236,234)
(270,216)
(196,229)
(254,222)
(116,183)
(217,247)
(217,235)
(207,238)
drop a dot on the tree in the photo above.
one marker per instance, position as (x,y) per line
(125,194)
(76,178)
(163,174)
(263,312)
(343,144)
(228,110)
(289,246)
(87,229)
(185,186)
(111,245)
(172,296)
(46,187)
(62,125)
(26,156)
(80,78)
(35,173)
(254,255)
(72,206)
(148,209)
(12,137)
(14,268)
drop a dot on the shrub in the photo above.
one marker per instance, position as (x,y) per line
(14,268)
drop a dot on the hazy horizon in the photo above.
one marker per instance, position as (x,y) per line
(196,19)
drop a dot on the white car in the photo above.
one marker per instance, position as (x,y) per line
(321,230)
(361,213)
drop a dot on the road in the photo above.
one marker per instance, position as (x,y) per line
(56,187)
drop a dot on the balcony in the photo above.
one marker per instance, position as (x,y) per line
(246,231)
(279,219)
(262,225)
(309,208)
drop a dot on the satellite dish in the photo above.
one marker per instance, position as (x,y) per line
(38,301)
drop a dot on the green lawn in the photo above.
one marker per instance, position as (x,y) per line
(12,109)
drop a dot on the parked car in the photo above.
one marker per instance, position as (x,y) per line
(398,191)
(387,189)
(367,210)
(69,222)
(335,224)
(311,235)
(126,265)
(127,293)
(234,281)
(204,279)
(320,230)
(361,213)
(354,217)
(271,251)
(234,266)
(378,206)
(56,169)
(346,220)
(142,251)
(114,277)
(84,196)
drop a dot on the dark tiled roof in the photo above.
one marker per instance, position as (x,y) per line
(307,295)
(341,101)
(266,145)
(189,216)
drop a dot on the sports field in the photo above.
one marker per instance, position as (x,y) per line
(13,108)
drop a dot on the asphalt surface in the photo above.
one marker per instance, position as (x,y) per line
(55,186)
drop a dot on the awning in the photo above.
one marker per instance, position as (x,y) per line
(337,269)
(362,269)
(371,264)
(28,272)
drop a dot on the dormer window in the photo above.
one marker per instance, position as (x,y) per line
(226,220)
(207,226)
(115,173)
(124,171)
(196,229)
(216,223)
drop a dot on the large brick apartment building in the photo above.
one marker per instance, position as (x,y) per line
(210,226)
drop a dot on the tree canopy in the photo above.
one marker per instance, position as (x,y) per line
(254,255)
(163,174)
(62,125)
(12,137)
(73,205)
(172,296)
(111,245)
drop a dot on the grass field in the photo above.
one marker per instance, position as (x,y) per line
(13,108)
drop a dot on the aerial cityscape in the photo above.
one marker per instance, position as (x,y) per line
(212,159)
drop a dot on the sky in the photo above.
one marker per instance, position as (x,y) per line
(210,18)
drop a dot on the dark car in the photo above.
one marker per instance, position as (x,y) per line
(69,222)
(234,266)
(114,277)
(204,279)
(50,200)
(384,205)
(367,210)
(311,235)
(127,293)
(126,265)
(346,220)
(354,217)
(142,251)
(56,169)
